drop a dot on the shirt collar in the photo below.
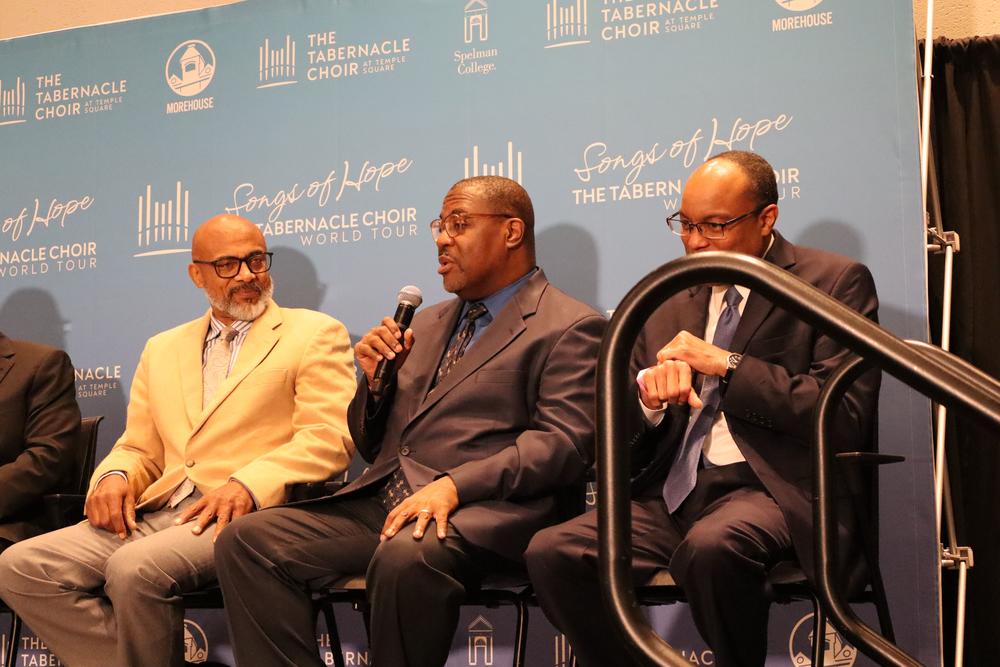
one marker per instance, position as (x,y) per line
(495,302)
(719,290)
(215,327)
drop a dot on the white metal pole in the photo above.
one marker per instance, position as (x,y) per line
(925,116)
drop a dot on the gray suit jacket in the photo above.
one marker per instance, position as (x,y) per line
(770,399)
(39,423)
(511,424)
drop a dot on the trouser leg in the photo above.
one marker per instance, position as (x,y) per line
(722,566)
(562,562)
(269,561)
(415,588)
(95,599)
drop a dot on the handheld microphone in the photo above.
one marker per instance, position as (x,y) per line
(410,299)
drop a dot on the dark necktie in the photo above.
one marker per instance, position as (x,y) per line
(684,469)
(461,340)
(396,488)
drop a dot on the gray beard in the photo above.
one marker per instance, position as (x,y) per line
(245,312)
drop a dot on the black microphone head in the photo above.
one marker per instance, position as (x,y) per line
(411,296)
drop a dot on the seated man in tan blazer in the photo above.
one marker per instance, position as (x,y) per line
(225,413)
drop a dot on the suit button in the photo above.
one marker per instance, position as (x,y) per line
(190,463)
(404,450)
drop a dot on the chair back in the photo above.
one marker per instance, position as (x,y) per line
(87,450)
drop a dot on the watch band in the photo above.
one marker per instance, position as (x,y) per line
(732,362)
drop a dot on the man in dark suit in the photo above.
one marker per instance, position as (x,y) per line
(39,424)
(491,413)
(726,493)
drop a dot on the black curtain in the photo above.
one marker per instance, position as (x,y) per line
(965,134)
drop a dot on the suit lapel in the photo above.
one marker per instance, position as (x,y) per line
(693,315)
(189,358)
(437,339)
(506,326)
(758,307)
(260,340)
(6,356)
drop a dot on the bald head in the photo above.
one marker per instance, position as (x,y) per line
(725,191)
(220,231)
(235,248)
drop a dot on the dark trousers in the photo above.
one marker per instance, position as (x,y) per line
(718,547)
(269,561)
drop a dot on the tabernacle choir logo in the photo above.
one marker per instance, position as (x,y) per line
(836,651)
(97,381)
(627,20)
(566,23)
(12,98)
(189,71)
(511,168)
(195,642)
(276,66)
(813,20)
(480,642)
(162,226)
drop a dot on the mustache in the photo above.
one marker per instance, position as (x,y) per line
(255,286)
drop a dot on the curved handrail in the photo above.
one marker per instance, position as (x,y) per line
(929,373)
(873,645)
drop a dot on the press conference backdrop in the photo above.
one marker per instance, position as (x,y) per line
(338,126)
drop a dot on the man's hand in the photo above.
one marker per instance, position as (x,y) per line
(383,342)
(435,501)
(226,503)
(702,357)
(667,383)
(111,506)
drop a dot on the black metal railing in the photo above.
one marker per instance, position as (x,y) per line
(937,374)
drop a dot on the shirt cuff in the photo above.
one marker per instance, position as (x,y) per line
(120,473)
(652,417)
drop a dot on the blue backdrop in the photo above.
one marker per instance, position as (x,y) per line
(338,127)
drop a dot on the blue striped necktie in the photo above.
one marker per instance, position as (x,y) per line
(684,470)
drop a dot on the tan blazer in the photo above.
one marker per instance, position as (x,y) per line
(278,419)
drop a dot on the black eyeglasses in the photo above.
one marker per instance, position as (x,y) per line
(456,223)
(229,267)
(708,230)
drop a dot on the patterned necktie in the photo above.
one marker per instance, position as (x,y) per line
(461,341)
(396,488)
(684,469)
(217,365)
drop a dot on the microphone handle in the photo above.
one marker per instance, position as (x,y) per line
(385,371)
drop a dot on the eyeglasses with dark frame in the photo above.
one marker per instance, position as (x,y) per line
(229,267)
(708,230)
(456,223)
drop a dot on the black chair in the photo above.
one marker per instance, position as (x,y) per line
(788,581)
(61,510)
(497,590)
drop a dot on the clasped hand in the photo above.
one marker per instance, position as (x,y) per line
(669,381)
